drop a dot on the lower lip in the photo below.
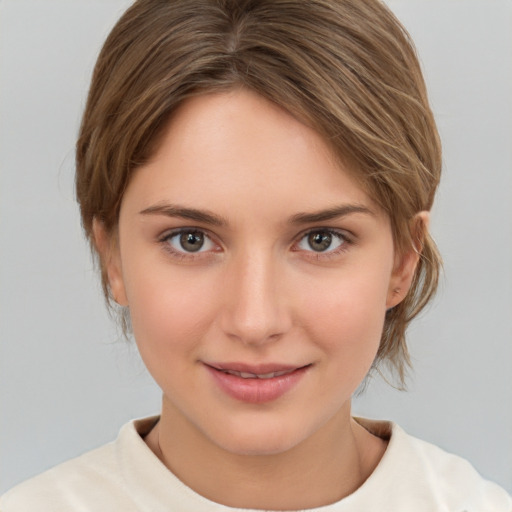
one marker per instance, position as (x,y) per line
(257,391)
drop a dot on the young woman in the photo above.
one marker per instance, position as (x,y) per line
(255,178)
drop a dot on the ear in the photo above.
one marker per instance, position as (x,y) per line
(107,246)
(406,262)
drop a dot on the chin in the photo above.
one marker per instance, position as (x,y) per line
(258,445)
(259,437)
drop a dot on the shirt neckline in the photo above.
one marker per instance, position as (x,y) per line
(155,488)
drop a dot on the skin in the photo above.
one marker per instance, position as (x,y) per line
(256,292)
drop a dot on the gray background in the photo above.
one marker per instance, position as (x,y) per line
(68,381)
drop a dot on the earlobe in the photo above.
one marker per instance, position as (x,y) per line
(107,247)
(405,266)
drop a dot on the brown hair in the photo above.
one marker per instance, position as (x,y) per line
(347,68)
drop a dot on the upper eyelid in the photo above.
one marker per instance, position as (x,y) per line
(184,229)
(164,241)
(344,233)
(347,237)
(171,233)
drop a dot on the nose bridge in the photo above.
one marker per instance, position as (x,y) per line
(256,311)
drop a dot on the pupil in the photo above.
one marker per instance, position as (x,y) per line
(191,242)
(319,241)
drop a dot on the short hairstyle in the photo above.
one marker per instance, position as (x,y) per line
(346,68)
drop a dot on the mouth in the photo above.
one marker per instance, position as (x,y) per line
(256,384)
(252,371)
(249,375)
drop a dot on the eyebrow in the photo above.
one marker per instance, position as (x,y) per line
(183,212)
(213,219)
(330,214)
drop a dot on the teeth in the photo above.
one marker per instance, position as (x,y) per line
(244,375)
(247,375)
(268,375)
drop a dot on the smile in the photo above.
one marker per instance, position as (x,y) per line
(256,384)
(248,375)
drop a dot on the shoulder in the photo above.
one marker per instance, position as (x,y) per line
(93,481)
(420,471)
(61,486)
(449,473)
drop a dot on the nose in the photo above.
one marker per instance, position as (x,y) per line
(256,309)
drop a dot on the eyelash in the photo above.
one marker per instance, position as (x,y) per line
(165,241)
(345,238)
(345,242)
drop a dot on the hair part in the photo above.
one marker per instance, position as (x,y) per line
(346,68)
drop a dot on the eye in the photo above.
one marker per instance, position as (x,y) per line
(321,240)
(189,241)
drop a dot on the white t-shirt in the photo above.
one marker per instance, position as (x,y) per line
(125,476)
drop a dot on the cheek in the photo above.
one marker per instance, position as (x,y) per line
(169,310)
(348,319)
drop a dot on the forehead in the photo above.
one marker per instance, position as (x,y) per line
(237,150)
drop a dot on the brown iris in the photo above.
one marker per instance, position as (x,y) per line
(192,241)
(319,241)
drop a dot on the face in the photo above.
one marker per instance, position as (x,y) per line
(257,274)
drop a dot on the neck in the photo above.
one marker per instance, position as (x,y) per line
(329,465)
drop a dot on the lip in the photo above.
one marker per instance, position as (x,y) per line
(256,390)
